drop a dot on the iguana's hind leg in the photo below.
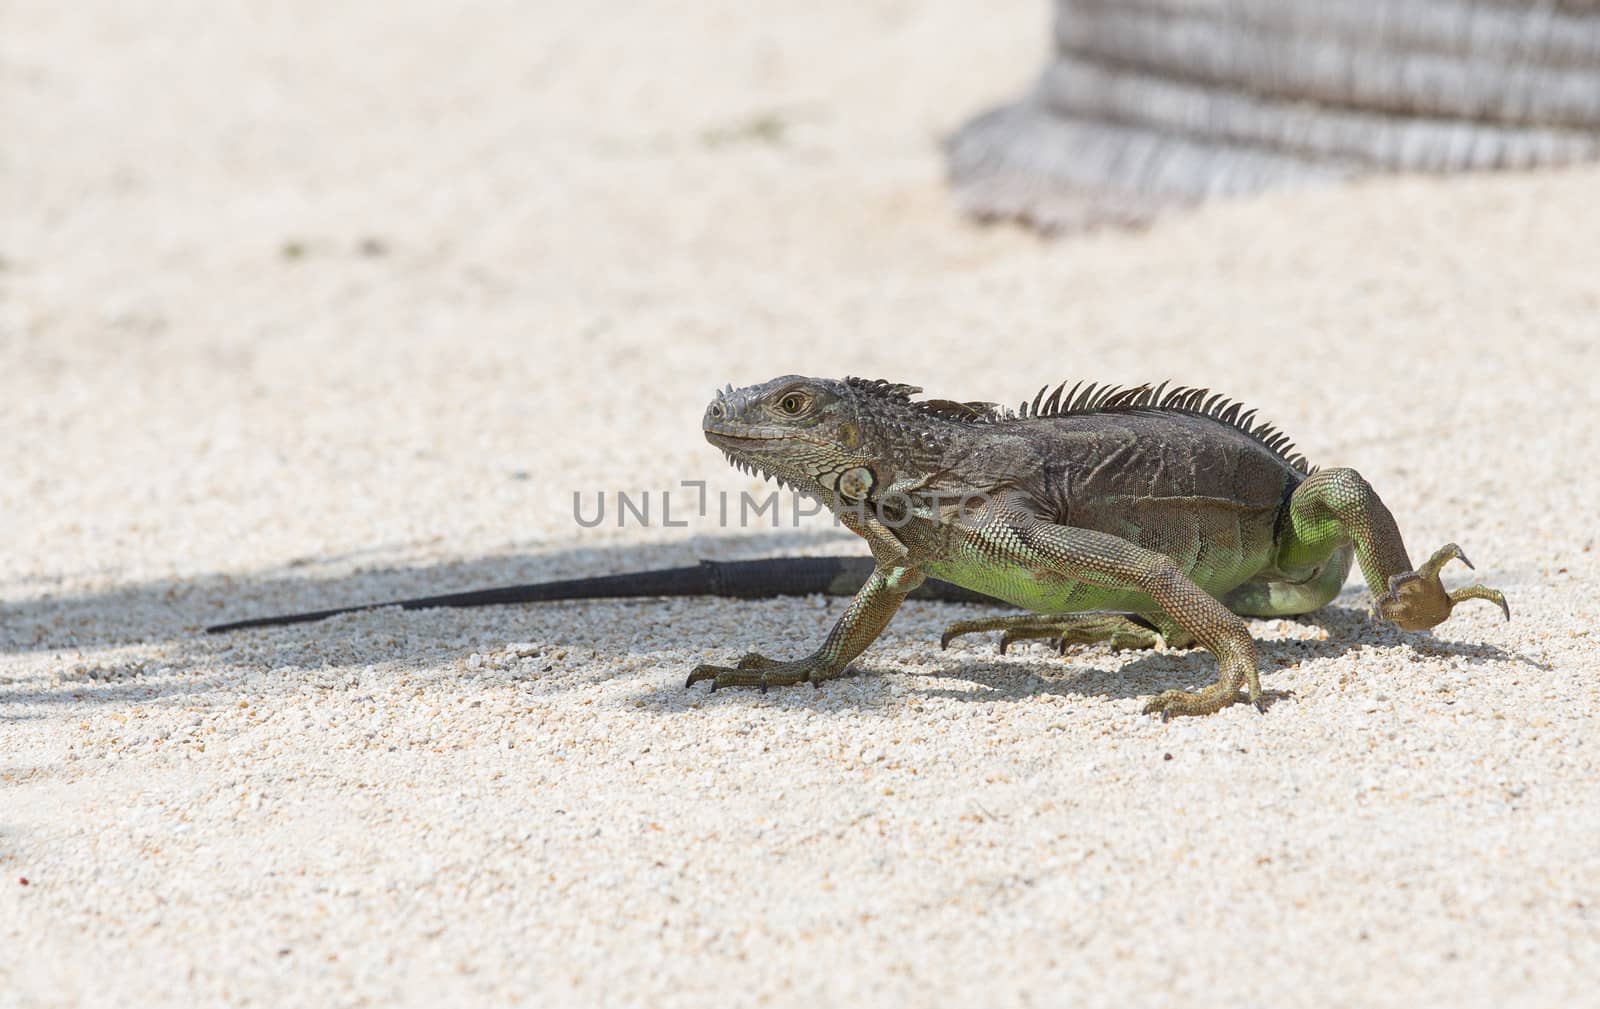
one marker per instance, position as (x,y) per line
(1335,507)
(1116,629)
(1091,564)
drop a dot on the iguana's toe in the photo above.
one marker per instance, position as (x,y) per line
(1183,702)
(1481,592)
(1015,634)
(1442,556)
(957,628)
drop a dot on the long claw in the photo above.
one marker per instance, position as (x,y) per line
(1442,556)
(1482,592)
(698,673)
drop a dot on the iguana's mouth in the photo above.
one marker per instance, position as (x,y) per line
(713,435)
(754,436)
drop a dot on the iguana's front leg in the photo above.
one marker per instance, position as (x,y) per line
(1337,506)
(869,612)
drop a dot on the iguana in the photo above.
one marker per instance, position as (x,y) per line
(1112,514)
(1117,515)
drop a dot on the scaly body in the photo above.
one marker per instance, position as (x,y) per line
(1110,514)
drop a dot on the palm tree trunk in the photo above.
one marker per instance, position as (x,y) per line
(1149,104)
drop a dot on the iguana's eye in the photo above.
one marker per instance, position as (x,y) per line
(793,403)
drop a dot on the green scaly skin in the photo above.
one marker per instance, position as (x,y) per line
(1116,515)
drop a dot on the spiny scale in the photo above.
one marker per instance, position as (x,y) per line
(1094,397)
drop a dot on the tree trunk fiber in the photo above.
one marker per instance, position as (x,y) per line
(1151,104)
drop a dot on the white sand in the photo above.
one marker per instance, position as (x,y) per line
(217,406)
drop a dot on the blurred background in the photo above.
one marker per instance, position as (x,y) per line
(433,267)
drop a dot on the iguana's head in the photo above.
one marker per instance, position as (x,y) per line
(809,433)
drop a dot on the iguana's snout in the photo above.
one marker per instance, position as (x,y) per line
(766,412)
(725,413)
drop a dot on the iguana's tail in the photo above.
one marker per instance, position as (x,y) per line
(759,579)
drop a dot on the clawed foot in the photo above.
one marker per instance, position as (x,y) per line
(756,670)
(1060,630)
(1010,624)
(1205,702)
(1418,600)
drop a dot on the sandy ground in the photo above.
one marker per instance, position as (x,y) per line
(307,305)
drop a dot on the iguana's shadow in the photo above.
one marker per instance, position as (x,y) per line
(1031,669)
(143,641)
